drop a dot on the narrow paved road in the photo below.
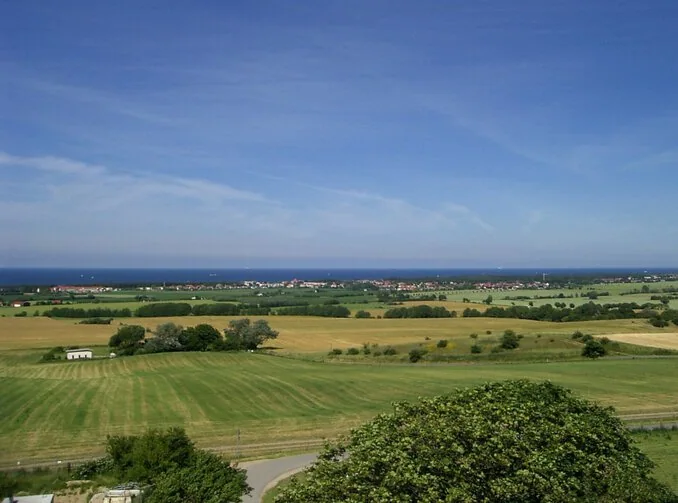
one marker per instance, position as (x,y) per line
(264,474)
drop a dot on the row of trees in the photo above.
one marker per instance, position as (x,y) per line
(585,312)
(241,334)
(323,310)
(423,311)
(174,309)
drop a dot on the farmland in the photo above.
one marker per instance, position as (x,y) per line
(311,334)
(65,410)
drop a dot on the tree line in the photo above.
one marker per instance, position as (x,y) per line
(240,335)
(422,311)
(585,312)
(174,309)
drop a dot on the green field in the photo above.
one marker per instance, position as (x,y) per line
(65,410)
(614,289)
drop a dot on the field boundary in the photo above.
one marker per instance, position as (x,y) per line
(268,450)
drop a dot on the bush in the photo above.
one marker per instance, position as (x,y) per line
(417,354)
(96,321)
(510,340)
(476,349)
(442,343)
(593,349)
(586,338)
(366,349)
(577,335)
(363,314)
(605,341)
(353,351)
(376,353)
(488,332)
(473,336)
(390,351)
(335,351)
(655,322)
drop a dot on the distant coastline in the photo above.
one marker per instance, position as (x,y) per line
(117,276)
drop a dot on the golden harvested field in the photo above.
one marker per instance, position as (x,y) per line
(309,334)
(668,340)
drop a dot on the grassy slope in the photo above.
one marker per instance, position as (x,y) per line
(662,448)
(65,410)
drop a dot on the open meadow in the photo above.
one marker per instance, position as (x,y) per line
(64,410)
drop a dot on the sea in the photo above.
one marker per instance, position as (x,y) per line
(138,276)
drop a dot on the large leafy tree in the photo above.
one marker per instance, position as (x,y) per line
(512,441)
(243,334)
(127,339)
(202,337)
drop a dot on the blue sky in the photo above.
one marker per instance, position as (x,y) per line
(338,133)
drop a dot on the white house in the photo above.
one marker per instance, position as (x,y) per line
(79,354)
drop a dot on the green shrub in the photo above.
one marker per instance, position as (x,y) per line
(593,349)
(335,351)
(352,351)
(509,340)
(473,336)
(417,354)
(476,349)
(376,353)
(488,332)
(577,335)
(390,351)
(442,343)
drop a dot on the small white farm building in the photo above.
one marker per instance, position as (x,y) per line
(79,354)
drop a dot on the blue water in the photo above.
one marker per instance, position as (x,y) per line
(85,276)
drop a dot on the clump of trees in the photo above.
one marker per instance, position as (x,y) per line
(96,321)
(423,311)
(242,334)
(174,470)
(517,441)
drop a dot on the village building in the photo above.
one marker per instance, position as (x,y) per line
(79,354)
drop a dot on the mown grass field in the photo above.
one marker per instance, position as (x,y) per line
(65,410)
(662,448)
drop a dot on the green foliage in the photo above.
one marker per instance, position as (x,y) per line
(166,338)
(326,311)
(127,340)
(593,349)
(99,312)
(417,354)
(202,337)
(142,458)
(164,309)
(658,322)
(9,486)
(476,349)
(96,321)
(353,351)
(442,343)
(512,441)
(390,351)
(509,340)
(488,300)
(336,351)
(207,479)
(423,311)
(242,334)
(473,335)
(363,314)
(577,335)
